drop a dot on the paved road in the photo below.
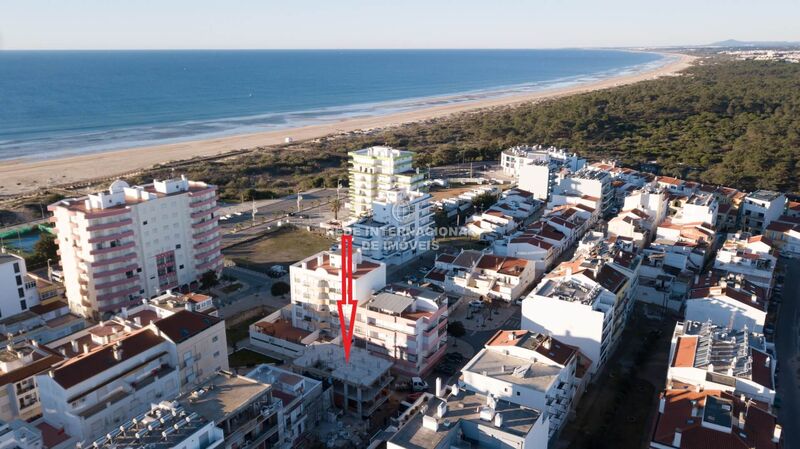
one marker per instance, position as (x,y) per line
(787,344)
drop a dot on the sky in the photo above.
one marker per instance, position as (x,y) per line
(293,24)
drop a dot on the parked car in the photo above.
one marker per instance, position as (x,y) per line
(476,304)
(417,384)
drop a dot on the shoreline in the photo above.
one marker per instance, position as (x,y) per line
(23,176)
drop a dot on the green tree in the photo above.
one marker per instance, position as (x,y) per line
(456,329)
(336,206)
(208,280)
(280,289)
(46,248)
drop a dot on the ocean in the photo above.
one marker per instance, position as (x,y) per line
(61,103)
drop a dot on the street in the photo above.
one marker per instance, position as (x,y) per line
(787,344)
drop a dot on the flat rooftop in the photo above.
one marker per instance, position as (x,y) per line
(148,429)
(568,290)
(222,396)
(513,369)
(363,368)
(764,195)
(463,409)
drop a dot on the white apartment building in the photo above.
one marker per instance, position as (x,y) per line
(732,302)
(528,369)
(100,389)
(316,283)
(760,208)
(515,161)
(587,183)
(19,364)
(749,256)
(244,408)
(303,399)
(632,224)
(399,229)
(695,209)
(716,358)
(490,225)
(457,417)
(476,274)
(582,306)
(375,170)
(17,290)
(129,243)
(650,199)
(406,325)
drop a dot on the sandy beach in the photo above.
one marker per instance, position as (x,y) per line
(20,176)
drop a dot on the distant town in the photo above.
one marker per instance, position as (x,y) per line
(522,303)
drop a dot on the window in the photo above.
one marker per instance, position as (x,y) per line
(21,292)
(178,246)
(215,339)
(216,354)
(138,270)
(180,267)
(144,223)
(19,280)
(16,267)
(23,305)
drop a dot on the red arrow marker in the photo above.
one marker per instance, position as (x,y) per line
(347,295)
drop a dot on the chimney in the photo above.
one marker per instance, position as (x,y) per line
(662,404)
(124,312)
(741,420)
(754,297)
(75,347)
(498,420)
(767,362)
(319,260)
(676,440)
(439,392)
(85,348)
(776,434)
(137,320)
(117,351)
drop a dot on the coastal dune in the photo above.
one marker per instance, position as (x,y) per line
(21,176)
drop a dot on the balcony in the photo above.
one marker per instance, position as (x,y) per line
(112,249)
(105,226)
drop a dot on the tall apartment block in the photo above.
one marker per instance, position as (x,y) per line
(317,286)
(135,242)
(379,169)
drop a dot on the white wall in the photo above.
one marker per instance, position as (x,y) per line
(570,322)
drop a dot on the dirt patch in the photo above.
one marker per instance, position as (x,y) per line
(284,246)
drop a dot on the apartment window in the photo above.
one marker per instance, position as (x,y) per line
(19,280)
(21,292)
(138,270)
(144,223)
(216,354)
(180,267)
(129,274)
(215,339)
(23,305)
(178,246)
(16,267)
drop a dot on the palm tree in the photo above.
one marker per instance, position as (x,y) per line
(336,205)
